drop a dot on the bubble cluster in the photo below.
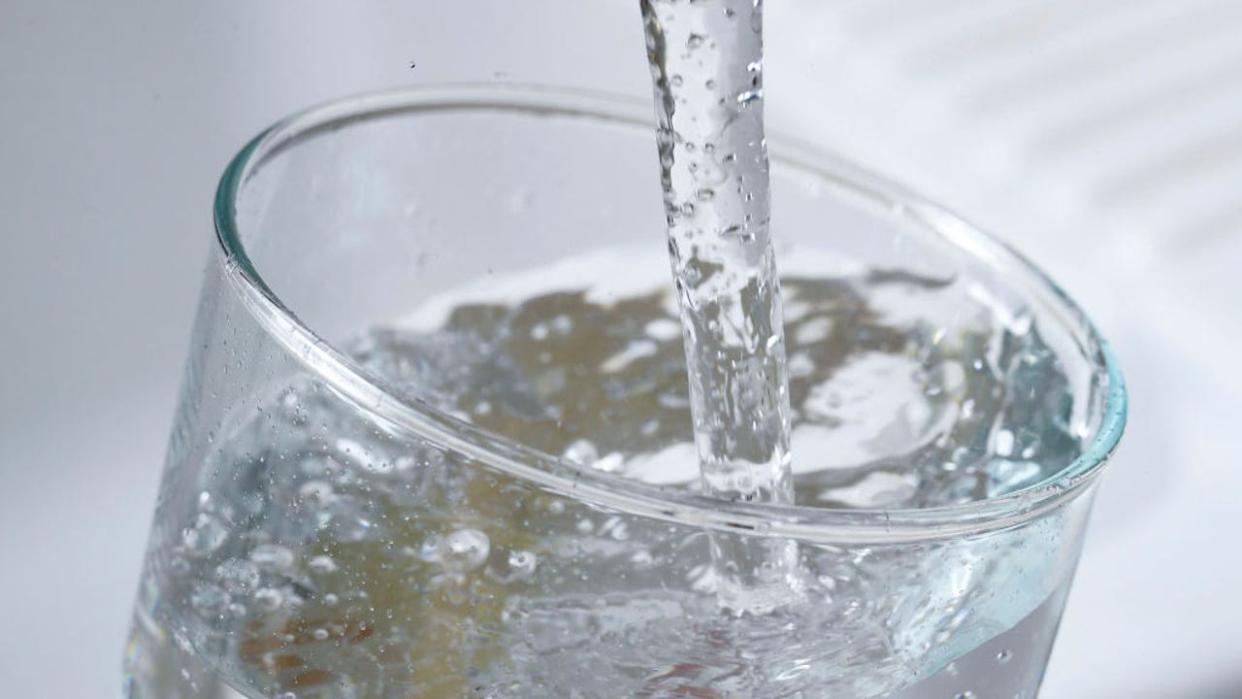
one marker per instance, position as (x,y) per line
(307,565)
(206,535)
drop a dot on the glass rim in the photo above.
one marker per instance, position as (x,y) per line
(552,473)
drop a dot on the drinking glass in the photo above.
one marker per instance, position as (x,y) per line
(342,515)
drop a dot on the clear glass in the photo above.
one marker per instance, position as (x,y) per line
(325,530)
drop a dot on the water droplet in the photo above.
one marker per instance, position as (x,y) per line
(464,549)
(694,41)
(331,600)
(1004,656)
(965,695)
(320,634)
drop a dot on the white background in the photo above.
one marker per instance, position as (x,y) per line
(1101,136)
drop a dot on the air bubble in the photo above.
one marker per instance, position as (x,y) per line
(611,463)
(1004,442)
(749,97)
(272,557)
(238,576)
(663,330)
(322,565)
(619,531)
(522,563)
(269,599)
(207,597)
(581,452)
(183,641)
(206,536)
(464,550)
(316,492)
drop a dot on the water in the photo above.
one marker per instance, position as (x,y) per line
(320,555)
(707,70)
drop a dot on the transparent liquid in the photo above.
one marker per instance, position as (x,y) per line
(318,555)
(706,63)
